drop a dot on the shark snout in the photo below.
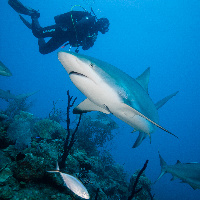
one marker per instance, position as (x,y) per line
(68,61)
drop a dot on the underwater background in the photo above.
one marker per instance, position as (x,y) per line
(162,35)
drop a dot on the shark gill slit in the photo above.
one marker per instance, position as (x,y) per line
(107,108)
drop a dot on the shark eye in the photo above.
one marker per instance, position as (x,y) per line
(91,65)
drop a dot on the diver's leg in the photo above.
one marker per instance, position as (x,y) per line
(41,32)
(37,30)
(51,45)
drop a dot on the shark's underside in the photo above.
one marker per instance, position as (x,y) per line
(110,90)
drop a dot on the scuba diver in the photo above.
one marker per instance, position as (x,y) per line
(77,28)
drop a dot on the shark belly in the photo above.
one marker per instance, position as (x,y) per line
(100,94)
(106,97)
(129,116)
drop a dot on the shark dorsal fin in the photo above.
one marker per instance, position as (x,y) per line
(160,103)
(178,162)
(88,106)
(143,79)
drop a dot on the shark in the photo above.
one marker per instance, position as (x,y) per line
(110,90)
(4,71)
(187,172)
(7,95)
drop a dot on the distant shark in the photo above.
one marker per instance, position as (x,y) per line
(6,95)
(187,172)
(4,71)
(110,90)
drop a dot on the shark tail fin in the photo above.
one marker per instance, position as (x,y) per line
(160,103)
(163,165)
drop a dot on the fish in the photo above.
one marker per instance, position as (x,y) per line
(7,95)
(110,90)
(4,71)
(73,183)
(188,172)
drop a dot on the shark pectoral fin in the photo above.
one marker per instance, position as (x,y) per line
(88,106)
(143,79)
(139,140)
(132,110)
(160,103)
(24,96)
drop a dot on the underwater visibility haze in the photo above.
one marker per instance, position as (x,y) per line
(161,35)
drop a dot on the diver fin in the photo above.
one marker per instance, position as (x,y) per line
(87,106)
(139,140)
(160,103)
(20,8)
(28,24)
(143,79)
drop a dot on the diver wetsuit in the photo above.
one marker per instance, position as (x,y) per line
(78,28)
(75,27)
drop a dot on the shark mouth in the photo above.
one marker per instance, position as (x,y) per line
(76,73)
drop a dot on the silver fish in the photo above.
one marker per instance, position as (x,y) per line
(73,184)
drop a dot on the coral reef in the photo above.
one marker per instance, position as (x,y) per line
(70,138)
(15,106)
(23,171)
(140,185)
(49,129)
(30,147)
(19,130)
(95,130)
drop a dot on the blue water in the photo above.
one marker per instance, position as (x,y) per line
(163,35)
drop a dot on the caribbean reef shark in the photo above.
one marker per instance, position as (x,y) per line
(110,90)
(6,95)
(187,172)
(4,71)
